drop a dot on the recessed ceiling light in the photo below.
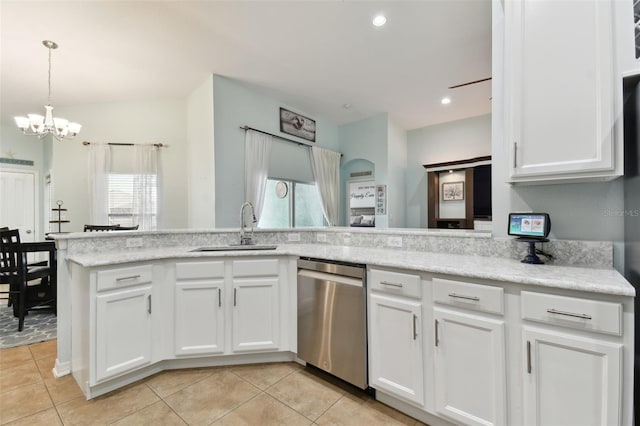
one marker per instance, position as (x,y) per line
(445,101)
(379,20)
(346,106)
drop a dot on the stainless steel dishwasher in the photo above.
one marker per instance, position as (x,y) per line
(332,318)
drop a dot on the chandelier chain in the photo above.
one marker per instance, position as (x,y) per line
(49,100)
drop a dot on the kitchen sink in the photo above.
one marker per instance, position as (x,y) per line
(235,247)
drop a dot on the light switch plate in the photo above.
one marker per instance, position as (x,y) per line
(293,236)
(134,242)
(394,241)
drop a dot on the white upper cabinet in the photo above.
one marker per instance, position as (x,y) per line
(562,91)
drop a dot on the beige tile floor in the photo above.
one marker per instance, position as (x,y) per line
(262,394)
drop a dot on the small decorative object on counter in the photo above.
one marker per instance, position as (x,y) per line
(59,221)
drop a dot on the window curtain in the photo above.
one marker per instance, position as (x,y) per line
(256,168)
(326,172)
(144,186)
(99,168)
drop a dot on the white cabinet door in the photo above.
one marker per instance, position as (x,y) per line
(570,380)
(199,317)
(255,314)
(123,331)
(395,347)
(560,90)
(470,383)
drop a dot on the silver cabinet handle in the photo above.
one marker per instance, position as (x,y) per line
(391,284)
(569,314)
(461,296)
(149,303)
(515,155)
(219,298)
(131,277)
(415,332)
(528,357)
(235,296)
(436,333)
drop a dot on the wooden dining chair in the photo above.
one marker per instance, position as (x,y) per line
(31,287)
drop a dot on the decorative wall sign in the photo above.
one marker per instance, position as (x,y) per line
(362,194)
(297,125)
(452,191)
(381,199)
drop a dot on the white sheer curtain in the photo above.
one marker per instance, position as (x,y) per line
(256,168)
(144,187)
(99,168)
(326,171)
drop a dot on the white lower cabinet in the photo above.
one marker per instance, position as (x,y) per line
(570,379)
(395,347)
(199,310)
(396,343)
(469,356)
(256,323)
(236,298)
(124,341)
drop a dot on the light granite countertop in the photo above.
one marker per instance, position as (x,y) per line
(605,281)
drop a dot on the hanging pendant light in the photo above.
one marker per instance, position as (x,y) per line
(41,126)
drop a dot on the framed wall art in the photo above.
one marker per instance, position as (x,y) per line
(297,125)
(452,191)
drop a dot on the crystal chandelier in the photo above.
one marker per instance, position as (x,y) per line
(37,125)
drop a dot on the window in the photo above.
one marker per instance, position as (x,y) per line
(296,206)
(122,200)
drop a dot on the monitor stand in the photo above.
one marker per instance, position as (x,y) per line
(531,256)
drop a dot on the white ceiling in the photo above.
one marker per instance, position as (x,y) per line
(313,55)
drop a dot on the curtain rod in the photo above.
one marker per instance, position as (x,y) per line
(157,145)
(245,128)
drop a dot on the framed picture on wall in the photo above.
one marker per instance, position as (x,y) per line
(297,125)
(452,191)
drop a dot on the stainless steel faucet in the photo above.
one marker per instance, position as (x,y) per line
(247,240)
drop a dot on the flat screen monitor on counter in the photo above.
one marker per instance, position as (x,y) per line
(529,225)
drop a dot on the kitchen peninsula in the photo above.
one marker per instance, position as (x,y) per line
(133,304)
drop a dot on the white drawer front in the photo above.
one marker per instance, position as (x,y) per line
(477,297)
(255,267)
(395,283)
(124,277)
(199,270)
(573,312)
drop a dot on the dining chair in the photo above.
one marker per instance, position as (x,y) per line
(31,287)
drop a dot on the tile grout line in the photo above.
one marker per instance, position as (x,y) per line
(55,406)
(166,403)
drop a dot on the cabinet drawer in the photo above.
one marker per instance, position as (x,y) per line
(473,296)
(199,270)
(124,277)
(398,283)
(255,267)
(573,312)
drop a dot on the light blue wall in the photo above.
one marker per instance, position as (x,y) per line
(236,105)
(367,139)
(397,153)
(454,140)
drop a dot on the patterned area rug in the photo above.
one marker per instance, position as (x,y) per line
(39,326)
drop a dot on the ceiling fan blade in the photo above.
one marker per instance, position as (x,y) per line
(470,82)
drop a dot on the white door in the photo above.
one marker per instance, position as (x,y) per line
(199,317)
(570,380)
(255,314)
(470,384)
(123,340)
(395,347)
(18,202)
